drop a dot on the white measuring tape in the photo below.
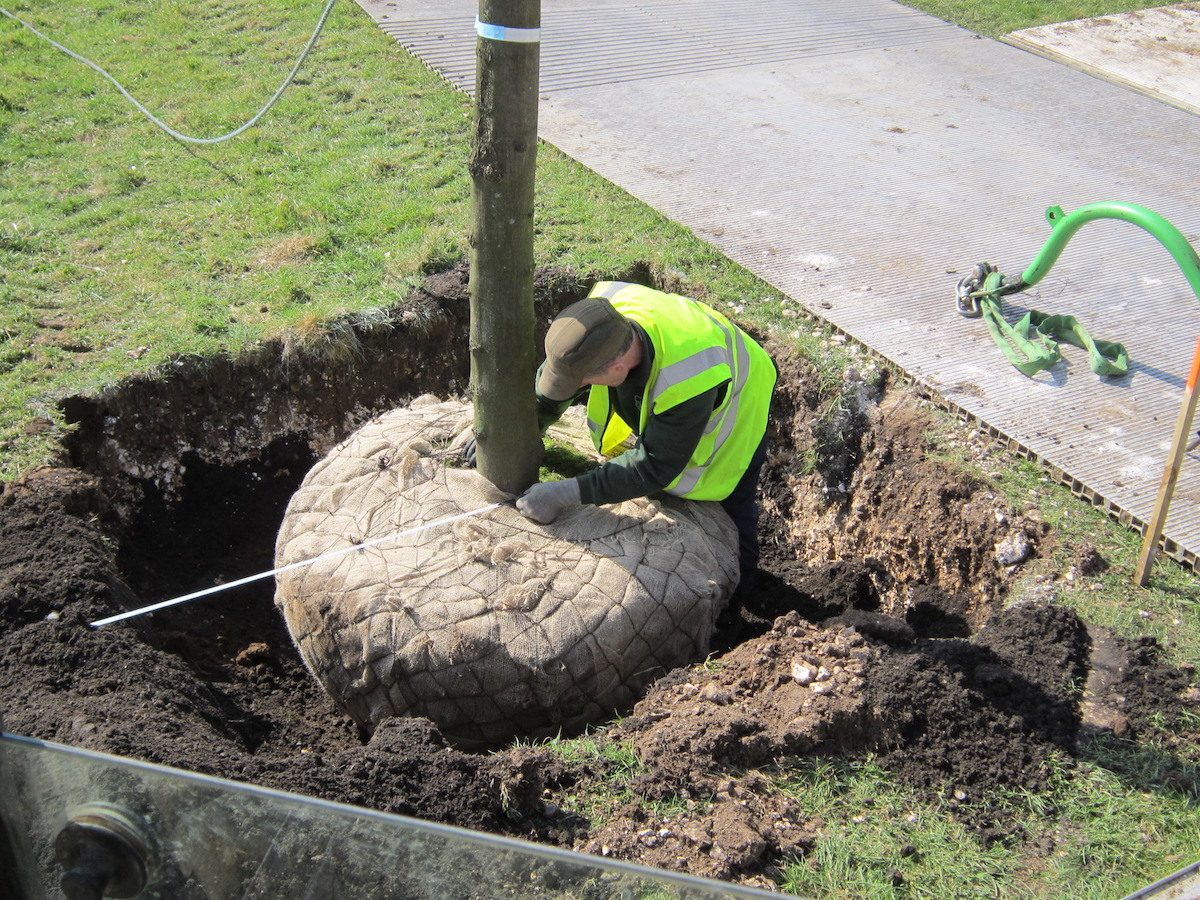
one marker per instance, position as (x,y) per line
(296,565)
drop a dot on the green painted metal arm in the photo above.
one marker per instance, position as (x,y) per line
(1065,225)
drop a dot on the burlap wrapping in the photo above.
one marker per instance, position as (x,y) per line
(492,626)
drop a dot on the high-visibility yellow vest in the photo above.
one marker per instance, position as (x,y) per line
(696,349)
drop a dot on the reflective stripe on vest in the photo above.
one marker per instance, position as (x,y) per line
(735,355)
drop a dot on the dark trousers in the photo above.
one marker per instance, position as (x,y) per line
(742,506)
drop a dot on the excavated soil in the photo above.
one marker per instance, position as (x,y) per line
(879,622)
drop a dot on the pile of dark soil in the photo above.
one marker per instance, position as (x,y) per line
(878,624)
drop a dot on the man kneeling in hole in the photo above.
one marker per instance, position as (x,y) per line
(688,387)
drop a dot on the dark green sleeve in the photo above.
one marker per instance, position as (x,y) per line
(657,458)
(550,411)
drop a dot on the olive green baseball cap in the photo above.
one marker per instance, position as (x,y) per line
(581,340)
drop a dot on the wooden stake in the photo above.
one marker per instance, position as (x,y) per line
(1183,428)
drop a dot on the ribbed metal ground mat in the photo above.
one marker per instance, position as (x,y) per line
(863,157)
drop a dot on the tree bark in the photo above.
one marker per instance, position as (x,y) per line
(503,164)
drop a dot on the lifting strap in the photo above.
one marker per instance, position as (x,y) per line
(1032,344)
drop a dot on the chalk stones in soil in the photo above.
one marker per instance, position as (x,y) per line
(492,626)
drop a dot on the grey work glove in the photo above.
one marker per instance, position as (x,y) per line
(547,499)
(468,449)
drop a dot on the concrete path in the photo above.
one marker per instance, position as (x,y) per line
(861,158)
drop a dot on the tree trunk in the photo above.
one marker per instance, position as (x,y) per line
(503,164)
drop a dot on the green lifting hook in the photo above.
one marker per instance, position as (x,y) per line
(1032,345)
(1064,227)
